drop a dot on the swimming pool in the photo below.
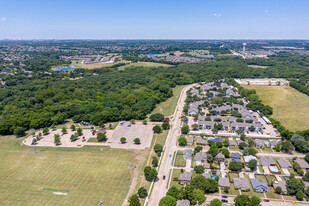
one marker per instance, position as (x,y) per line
(210,138)
(214,177)
(64,68)
(273,169)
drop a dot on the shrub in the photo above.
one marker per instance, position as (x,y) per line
(158,117)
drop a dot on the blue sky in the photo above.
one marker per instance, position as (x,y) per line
(156,19)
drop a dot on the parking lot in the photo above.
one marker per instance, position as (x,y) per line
(130,132)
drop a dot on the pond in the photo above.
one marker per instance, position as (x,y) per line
(64,68)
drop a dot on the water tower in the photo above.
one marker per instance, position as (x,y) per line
(244,47)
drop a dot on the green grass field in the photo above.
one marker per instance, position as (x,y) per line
(168,107)
(144,64)
(290,107)
(86,175)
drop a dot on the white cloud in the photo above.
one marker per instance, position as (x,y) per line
(217,15)
(3,19)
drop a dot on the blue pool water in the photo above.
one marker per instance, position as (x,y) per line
(210,138)
(273,169)
(64,68)
(214,177)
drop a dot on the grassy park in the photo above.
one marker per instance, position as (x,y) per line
(144,64)
(64,176)
(168,107)
(290,107)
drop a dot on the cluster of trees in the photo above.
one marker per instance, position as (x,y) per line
(134,199)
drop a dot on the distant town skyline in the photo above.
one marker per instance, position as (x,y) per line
(143,19)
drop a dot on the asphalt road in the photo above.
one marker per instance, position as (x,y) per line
(160,186)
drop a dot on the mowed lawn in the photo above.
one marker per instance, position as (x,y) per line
(168,107)
(145,64)
(83,176)
(290,106)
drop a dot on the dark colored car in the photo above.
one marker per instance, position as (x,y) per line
(224,196)
(266,200)
(224,200)
(163,177)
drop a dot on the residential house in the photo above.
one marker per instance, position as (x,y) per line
(238,141)
(232,143)
(220,157)
(185,178)
(284,163)
(201,141)
(248,158)
(235,156)
(246,126)
(302,163)
(267,161)
(281,184)
(206,175)
(187,154)
(273,143)
(224,182)
(217,139)
(211,124)
(258,186)
(241,183)
(200,157)
(189,139)
(259,143)
(193,110)
(183,203)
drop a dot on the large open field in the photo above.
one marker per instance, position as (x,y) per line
(168,107)
(65,176)
(291,107)
(95,65)
(145,64)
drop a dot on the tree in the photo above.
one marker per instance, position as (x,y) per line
(206,185)
(73,138)
(226,189)
(155,161)
(57,140)
(64,130)
(132,121)
(249,151)
(73,128)
(307,158)
(134,201)
(137,141)
(79,131)
(53,127)
(158,148)
(101,137)
(255,201)
(235,166)
(182,141)
(252,128)
(142,192)
(252,164)
(123,140)
(45,131)
(300,143)
(242,145)
(226,152)
(197,149)
(286,146)
(199,169)
(150,173)
(306,177)
(157,117)
(243,137)
(144,121)
(225,143)
(278,190)
(174,192)
(168,201)
(157,129)
(215,202)
(213,150)
(214,130)
(293,185)
(185,129)
(197,196)
(19,131)
(277,147)
(195,126)
(250,142)
(241,200)
(299,195)
(210,158)
(219,144)
(165,125)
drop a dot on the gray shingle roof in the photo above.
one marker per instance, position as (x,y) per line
(258,186)
(186,176)
(183,203)
(266,161)
(284,163)
(241,183)
(224,182)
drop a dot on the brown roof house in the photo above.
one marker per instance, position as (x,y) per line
(185,178)
(220,157)
(224,182)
